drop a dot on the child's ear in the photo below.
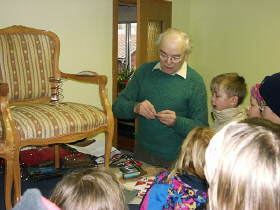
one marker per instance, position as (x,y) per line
(234,101)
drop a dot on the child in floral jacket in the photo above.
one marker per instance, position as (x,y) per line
(185,186)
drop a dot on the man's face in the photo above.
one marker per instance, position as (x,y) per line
(172,56)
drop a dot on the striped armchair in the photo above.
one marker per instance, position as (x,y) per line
(30,113)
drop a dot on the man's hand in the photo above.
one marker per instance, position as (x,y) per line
(146,109)
(167,117)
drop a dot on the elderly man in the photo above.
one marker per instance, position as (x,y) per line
(169,99)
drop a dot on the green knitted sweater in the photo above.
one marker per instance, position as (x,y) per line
(187,97)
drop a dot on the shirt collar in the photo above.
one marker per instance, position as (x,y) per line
(182,71)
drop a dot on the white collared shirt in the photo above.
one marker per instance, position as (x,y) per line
(182,71)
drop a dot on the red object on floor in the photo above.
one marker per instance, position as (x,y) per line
(37,156)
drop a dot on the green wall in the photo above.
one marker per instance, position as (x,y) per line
(231,36)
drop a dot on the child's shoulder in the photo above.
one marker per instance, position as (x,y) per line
(190,197)
(178,194)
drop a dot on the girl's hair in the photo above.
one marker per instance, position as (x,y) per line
(192,155)
(243,167)
(232,84)
(173,32)
(90,189)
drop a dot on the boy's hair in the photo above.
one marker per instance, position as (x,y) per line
(242,166)
(232,84)
(91,189)
(192,156)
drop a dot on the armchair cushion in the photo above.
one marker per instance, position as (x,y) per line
(43,121)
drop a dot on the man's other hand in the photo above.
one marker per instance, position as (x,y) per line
(167,117)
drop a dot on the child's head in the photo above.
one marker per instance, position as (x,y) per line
(269,90)
(228,91)
(191,158)
(90,189)
(256,102)
(242,166)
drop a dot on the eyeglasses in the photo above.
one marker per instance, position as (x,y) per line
(173,59)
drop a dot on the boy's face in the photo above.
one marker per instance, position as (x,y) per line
(220,100)
(253,109)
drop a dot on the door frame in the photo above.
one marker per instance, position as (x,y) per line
(115,55)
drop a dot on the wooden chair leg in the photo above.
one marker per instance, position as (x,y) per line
(17,178)
(56,156)
(108,147)
(8,183)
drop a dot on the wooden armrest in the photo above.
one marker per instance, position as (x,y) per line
(88,77)
(101,80)
(4,89)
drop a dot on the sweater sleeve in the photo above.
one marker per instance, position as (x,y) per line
(129,97)
(198,112)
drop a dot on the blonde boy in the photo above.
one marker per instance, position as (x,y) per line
(228,92)
(89,189)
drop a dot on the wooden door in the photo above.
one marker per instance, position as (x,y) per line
(153,17)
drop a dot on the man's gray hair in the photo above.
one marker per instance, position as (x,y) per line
(180,34)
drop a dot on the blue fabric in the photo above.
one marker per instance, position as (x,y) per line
(158,196)
(173,193)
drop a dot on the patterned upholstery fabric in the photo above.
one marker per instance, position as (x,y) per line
(47,121)
(26,63)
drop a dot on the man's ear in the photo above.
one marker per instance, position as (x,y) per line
(234,101)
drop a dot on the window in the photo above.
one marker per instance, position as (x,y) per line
(127,43)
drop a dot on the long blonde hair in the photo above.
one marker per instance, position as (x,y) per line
(192,155)
(243,167)
(90,189)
